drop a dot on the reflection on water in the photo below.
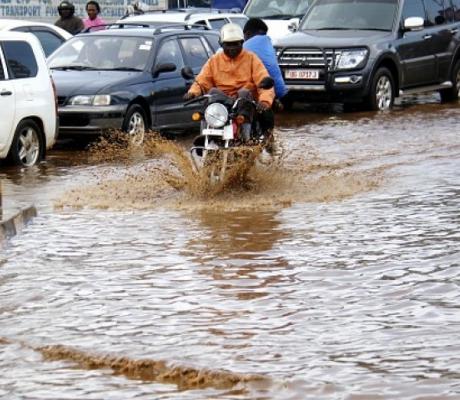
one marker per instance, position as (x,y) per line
(335,276)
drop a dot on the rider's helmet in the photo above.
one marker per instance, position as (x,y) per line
(66,5)
(231,33)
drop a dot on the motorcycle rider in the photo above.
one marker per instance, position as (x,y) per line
(68,21)
(236,72)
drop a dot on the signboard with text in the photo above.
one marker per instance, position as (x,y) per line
(46,10)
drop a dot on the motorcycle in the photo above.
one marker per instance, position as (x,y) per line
(226,137)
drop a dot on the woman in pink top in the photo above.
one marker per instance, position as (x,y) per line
(93,9)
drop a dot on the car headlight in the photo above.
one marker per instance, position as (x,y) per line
(97,100)
(216,115)
(349,59)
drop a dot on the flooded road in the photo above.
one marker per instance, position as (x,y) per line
(334,274)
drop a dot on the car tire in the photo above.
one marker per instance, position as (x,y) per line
(451,94)
(28,147)
(134,124)
(382,92)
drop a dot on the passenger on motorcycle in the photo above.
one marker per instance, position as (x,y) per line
(257,41)
(236,73)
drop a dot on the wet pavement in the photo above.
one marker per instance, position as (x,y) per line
(334,274)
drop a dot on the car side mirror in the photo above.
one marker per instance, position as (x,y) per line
(413,24)
(266,83)
(165,67)
(187,73)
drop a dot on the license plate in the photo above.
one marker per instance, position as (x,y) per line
(301,74)
(226,133)
(213,132)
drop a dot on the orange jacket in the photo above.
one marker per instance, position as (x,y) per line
(230,75)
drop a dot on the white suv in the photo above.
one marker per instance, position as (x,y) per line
(213,19)
(28,110)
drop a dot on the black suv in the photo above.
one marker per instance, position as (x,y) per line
(129,77)
(371,51)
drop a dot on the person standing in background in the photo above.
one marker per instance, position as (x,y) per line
(93,20)
(68,21)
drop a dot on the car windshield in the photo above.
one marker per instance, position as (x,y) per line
(351,15)
(276,9)
(102,53)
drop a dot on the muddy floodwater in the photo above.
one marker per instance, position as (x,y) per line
(332,273)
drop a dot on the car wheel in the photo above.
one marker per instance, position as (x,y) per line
(27,148)
(134,124)
(382,92)
(452,93)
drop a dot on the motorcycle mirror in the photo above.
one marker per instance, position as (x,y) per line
(187,73)
(267,83)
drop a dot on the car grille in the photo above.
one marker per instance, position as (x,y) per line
(307,58)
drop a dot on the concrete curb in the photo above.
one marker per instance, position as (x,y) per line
(13,225)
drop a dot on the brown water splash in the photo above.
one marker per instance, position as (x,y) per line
(161,174)
(4,341)
(185,377)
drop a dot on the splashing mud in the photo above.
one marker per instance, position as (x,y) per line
(185,377)
(161,173)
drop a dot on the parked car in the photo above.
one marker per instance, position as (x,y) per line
(28,112)
(50,36)
(213,19)
(371,52)
(131,79)
(281,16)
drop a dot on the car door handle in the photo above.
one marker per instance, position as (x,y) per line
(454,31)
(426,37)
(6,93)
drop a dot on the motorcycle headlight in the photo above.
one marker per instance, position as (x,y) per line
(216,115)
(349,59)
(97,100)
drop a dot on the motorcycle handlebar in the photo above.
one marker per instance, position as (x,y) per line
(196,99)
(207,96)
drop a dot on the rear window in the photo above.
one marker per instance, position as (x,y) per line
(216,24)
(239,21)
(48,40)
(20,59)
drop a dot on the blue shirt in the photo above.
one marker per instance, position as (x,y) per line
(263,47)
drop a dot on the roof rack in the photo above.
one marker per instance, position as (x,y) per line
(114,25)
(189,10)
(157,28)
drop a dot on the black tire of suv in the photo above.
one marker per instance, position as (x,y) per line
(133,111)
(30,128)
(372,102)
(451,94)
